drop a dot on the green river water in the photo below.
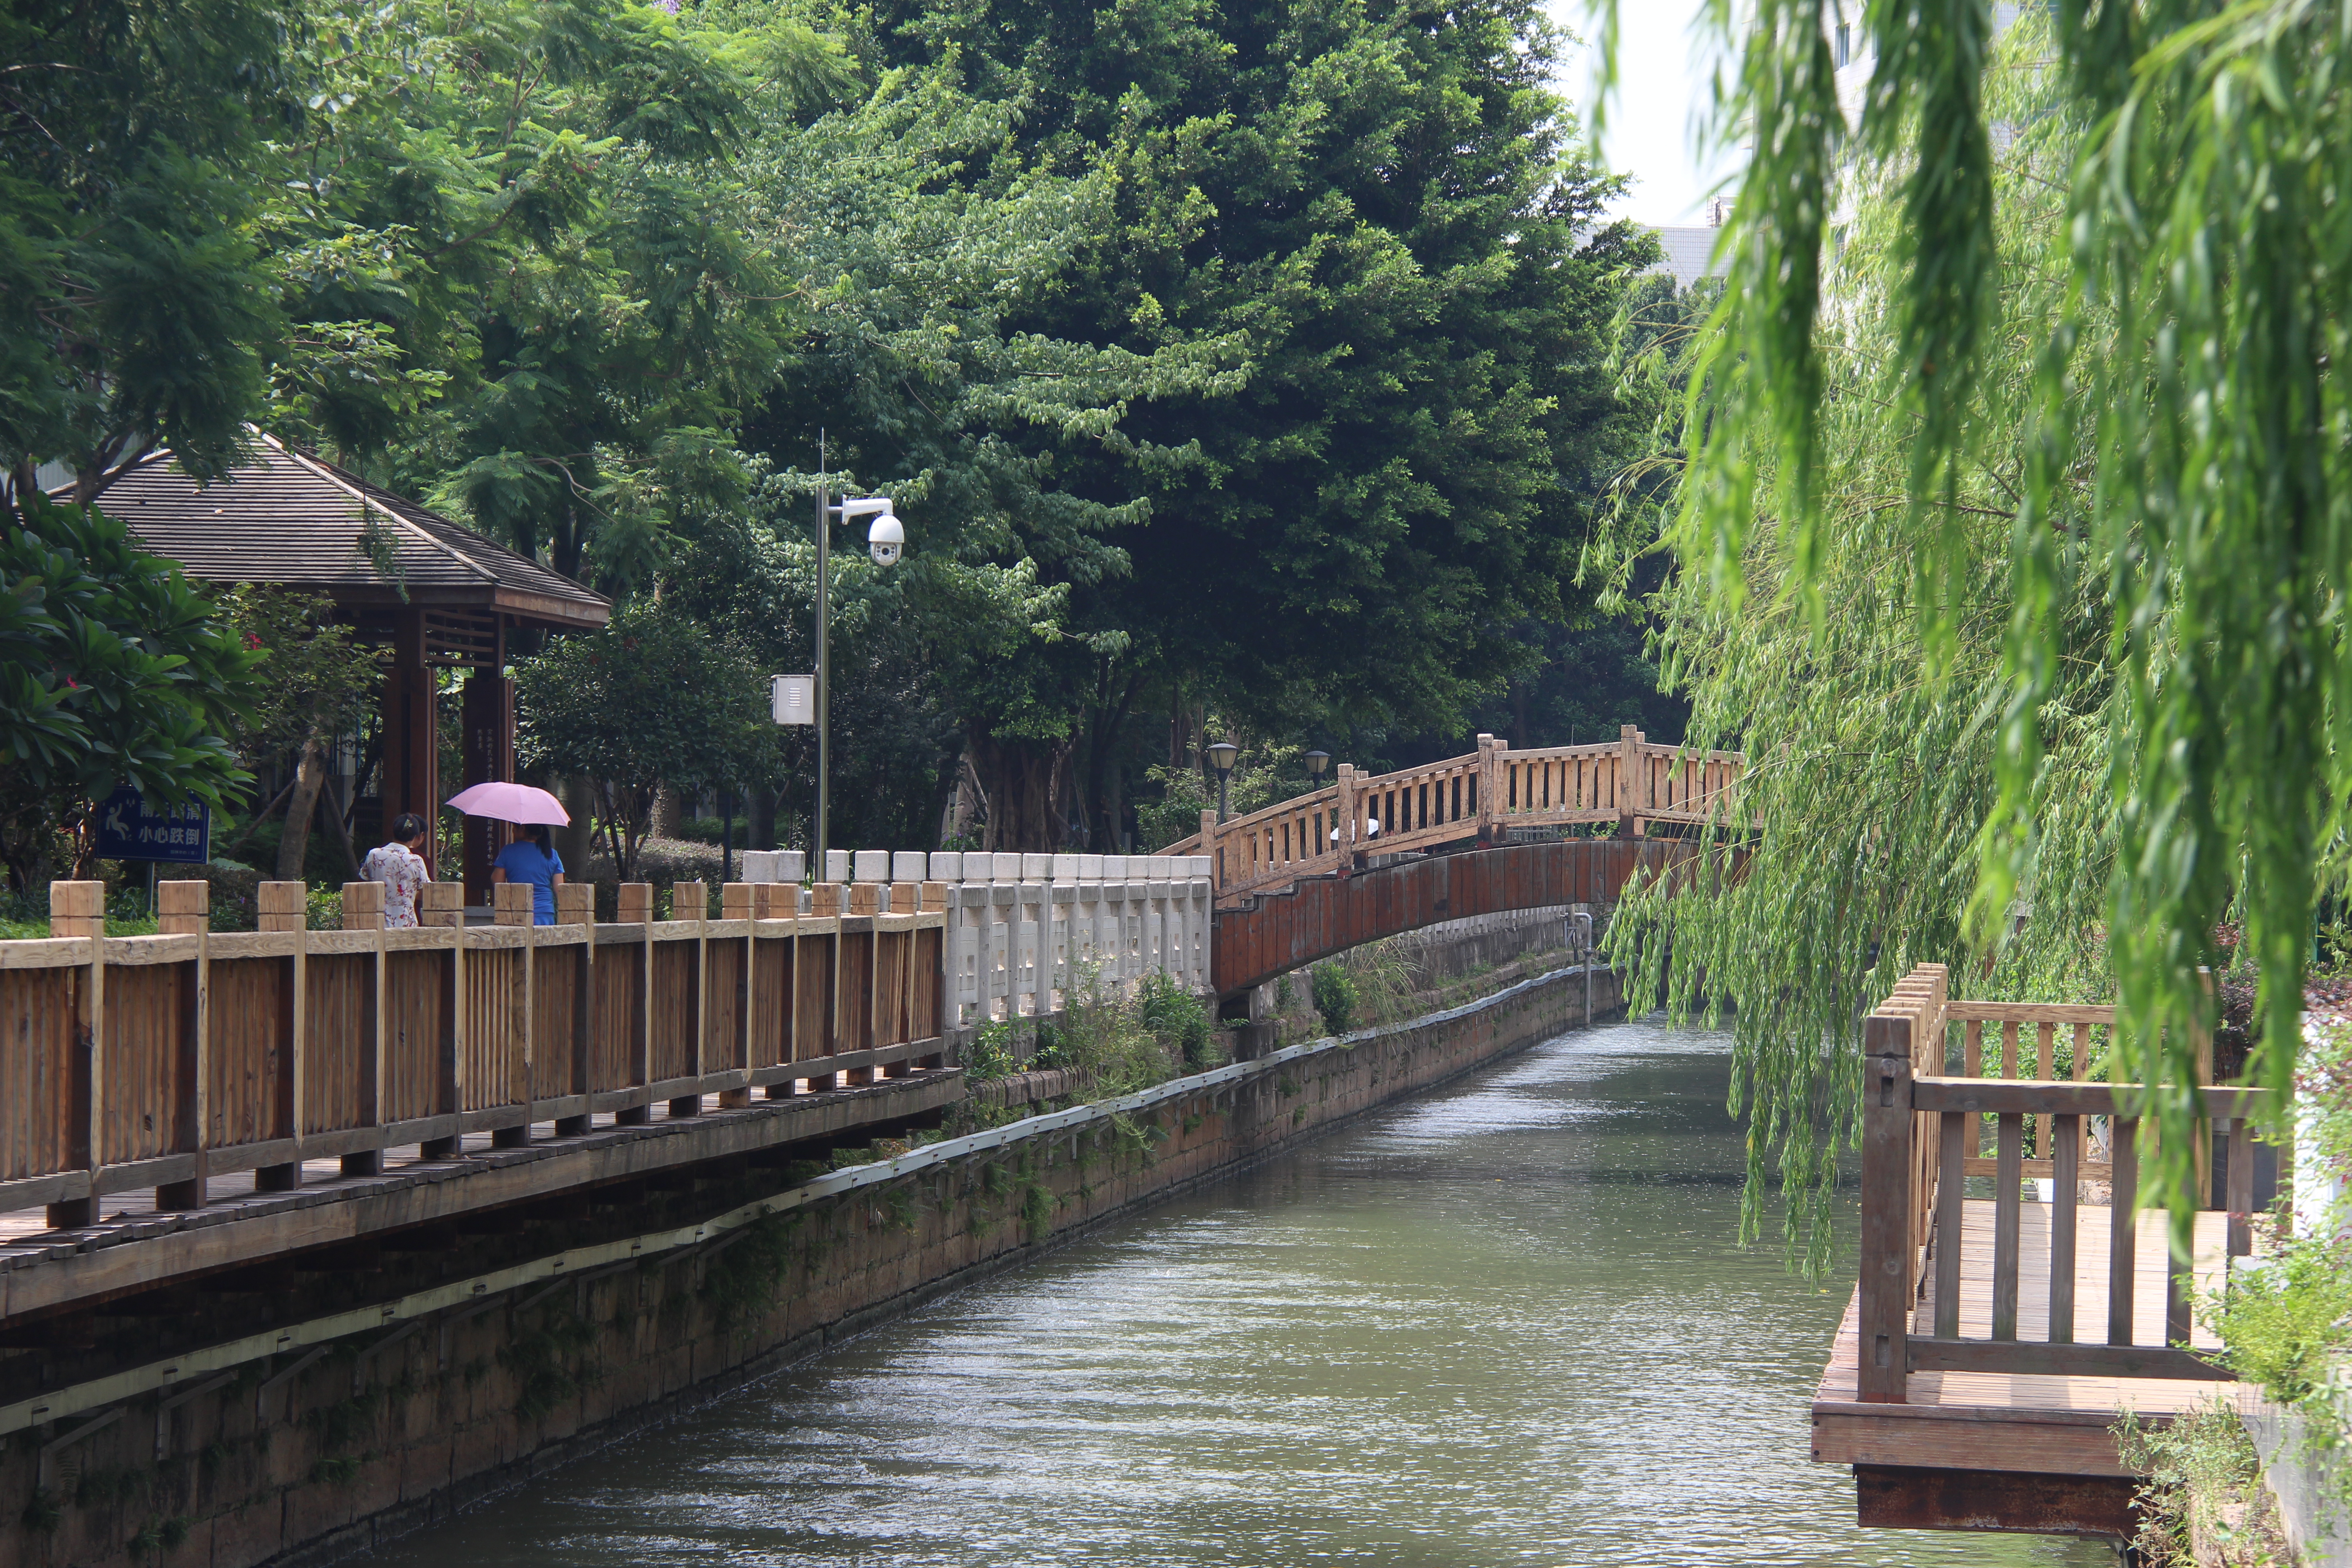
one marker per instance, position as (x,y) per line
(1502,1324)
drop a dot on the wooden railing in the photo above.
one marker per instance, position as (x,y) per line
(164,1061)
(1481,795)
(1923,1133)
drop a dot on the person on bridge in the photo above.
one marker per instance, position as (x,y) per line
(532,859)
(400,866)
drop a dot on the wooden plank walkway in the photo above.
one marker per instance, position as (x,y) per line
(2020,1422)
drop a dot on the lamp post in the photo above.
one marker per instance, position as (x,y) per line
(1220,757)
(1315,763)
(884,541)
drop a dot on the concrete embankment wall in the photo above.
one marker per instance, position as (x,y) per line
(1485,942)
(307,1459)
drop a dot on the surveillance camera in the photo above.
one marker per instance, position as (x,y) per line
(885,538)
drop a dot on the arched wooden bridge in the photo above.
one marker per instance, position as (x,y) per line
(1313,918)
(1372,856)
(1488,796)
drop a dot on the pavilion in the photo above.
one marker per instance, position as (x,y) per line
(430,593)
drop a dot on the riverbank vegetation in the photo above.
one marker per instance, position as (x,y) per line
(1111,1042)
(2010,528)
(2201,1500)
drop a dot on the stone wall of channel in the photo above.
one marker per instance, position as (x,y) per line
(309,1460)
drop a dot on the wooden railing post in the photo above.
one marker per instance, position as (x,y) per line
(284,907)
(1886,1199)
(184,908)
(692,901)
(363,906)
(1491,755)
(1632,782)
(442,905)
(735,904)
(1344,809)
(363,910)
(281,906)
(634,905)
(575,905)
(513,904)
(78,910)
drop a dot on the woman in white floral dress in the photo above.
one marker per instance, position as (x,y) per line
(401,868)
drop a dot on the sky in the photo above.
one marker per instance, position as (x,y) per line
(1662,82)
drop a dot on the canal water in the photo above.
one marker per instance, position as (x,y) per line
(1502,1324)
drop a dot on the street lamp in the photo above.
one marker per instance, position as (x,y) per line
(1315,763)
(884,541)
(1220,757)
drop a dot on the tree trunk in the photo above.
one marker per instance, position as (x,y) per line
(759,818)
(575,842)
(664,823)
(947,778)
(1026,784)
(341,832)
(309,775)
(244,835)
(1101,803)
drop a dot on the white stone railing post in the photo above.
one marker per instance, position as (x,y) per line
(1160,945)
(1061,914)
(1030,912)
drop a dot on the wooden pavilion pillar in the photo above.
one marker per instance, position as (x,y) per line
(489,722)
(412,762)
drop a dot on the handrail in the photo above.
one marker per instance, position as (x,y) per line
(1921,1129)
(162,1061)
(1630,782)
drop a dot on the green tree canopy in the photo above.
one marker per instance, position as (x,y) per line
(113,670)
(654,698)
(136,306)
(1375,212)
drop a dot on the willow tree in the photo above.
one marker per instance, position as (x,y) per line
(2012,535)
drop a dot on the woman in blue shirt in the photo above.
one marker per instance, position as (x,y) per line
(532,860)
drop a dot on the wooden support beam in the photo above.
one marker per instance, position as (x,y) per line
(1889,1497)
(1886,1243)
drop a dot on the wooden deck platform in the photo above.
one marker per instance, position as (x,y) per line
(2042,1424)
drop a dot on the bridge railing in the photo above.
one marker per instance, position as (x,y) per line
(166,1061)
(1923,1134)
(1631,782)
(1023,929)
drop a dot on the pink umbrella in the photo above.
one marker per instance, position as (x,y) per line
(511,803)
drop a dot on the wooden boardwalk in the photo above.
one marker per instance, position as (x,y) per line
(2044,1423)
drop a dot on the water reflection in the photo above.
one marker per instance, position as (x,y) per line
(1505,1324)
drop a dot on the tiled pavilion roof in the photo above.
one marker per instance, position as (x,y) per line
(290,517)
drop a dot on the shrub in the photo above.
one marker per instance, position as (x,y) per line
(1334,997)
(1180,1020)
(1104,1034)
(2196,1470)
(990,1054)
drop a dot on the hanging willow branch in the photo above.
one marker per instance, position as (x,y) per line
(2121,714)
